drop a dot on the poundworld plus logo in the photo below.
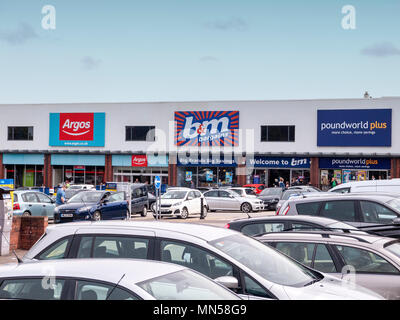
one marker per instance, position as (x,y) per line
(363,125)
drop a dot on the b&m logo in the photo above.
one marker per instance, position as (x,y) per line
(77,129)
(76,126)
(207,128)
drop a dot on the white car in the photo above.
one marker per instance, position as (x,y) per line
(91,279)
(228,200)
(82,186)
(182,202)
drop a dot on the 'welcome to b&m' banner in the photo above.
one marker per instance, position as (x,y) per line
(207,128)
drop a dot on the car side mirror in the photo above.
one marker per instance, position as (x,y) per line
(105,201)
(228,281)
(396,221)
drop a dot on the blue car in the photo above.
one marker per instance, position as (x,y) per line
(93,205)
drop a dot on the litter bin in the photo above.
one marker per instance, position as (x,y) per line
(6,215)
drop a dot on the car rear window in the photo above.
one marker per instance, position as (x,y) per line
(15,197)
(309,208)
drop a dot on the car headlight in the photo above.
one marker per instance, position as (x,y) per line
(177,204)
(83,209)
(56,210)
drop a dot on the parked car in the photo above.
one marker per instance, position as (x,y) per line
(303,187)
(261,225)
(377,213)
(374,261)
(32,203)
(204,189)
(270,197)
(213,251)
(292,193)
(93,205)
(91,279)
(230,201)
(391,186)
(182,202)
(258,187)
(244,192)
(140,199)
(82,186)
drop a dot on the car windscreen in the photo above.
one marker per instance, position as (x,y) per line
(265,261)
(287,194)
(271,192)
(239,192)
(185,285)
(394,203)
(394,248)
(174,195)
(84,197)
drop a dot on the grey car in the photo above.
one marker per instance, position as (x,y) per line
(213,251)
(91,279)
(228,200)
(357,210)
(33,203)
(372,262)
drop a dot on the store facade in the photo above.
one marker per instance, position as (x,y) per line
(267,170)
(140,168)
(353,169)
(193,143)
(210,170)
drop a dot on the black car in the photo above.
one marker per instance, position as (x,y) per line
(261,225)
(140,198)
(93,205)
(271,197)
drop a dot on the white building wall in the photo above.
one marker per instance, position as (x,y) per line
(253,114)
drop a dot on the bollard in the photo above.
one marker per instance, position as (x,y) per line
(202,208)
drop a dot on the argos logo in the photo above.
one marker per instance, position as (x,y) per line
(139,160)
(76,126)
(207,128)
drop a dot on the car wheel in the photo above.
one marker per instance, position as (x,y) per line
(26,214)
(97,216)
(184,213)
(153,207)
(144,212)
(246,207)
(205,212)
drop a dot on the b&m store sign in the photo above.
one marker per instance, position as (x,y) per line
(207,128)
(77,129)
(356,127)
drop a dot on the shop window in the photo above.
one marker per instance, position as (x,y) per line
(278,133)
(140,133)
(20,133)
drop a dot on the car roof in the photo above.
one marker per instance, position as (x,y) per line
(200,231)
(350,196)
(327,236)
(93,268)
(304,218)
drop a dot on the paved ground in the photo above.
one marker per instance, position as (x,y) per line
(213,218)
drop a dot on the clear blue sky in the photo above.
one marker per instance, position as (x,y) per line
(188,50)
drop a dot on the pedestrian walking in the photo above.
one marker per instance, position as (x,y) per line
(60,198)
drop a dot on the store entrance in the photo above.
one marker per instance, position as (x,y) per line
(276,174)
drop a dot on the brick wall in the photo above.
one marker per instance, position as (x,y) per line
(26,231)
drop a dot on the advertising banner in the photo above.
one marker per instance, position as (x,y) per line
(207,128)
(77,129)
(355,127)
(355,163)
(276,162)
(188,176)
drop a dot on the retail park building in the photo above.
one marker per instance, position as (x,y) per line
(201,143)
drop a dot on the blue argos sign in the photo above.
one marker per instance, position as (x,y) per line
(355,127)
(77,129)
(276,162)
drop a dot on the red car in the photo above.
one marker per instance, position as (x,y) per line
(256,187)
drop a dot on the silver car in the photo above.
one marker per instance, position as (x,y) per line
(375,261)
(228,200)
(33,203)
(252,268)
(91,279)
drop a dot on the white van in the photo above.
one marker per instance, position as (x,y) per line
(388,186)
